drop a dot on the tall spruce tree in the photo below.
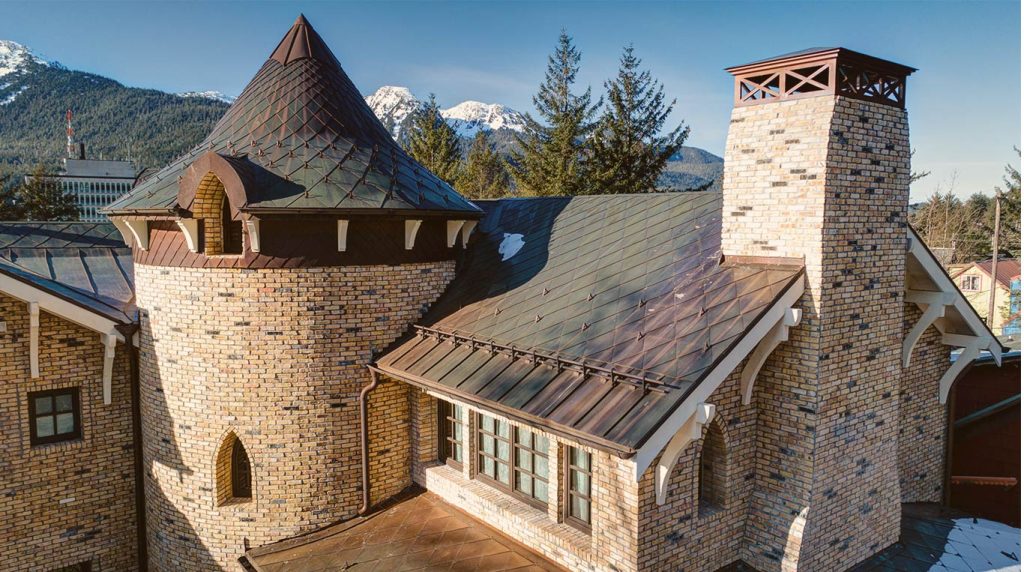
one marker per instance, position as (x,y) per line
(41,198)
(551,159)
(434,143)
(629,150)
(484,174)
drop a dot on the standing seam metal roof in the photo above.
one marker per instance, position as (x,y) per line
(85,263)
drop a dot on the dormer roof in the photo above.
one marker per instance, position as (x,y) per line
(304,132)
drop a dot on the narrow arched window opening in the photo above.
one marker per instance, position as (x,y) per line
(234,472)
(712,477)
(232,229)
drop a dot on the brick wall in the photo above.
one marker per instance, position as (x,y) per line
(682,534)
(278,358)
(69,502)
(611,544)
(923,420)
(826,179)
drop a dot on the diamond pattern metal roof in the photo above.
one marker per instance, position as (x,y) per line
(302,130)
(595,316)
(87,264)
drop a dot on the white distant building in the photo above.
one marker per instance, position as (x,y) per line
(95,183)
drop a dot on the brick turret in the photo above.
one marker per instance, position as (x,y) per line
(817,167)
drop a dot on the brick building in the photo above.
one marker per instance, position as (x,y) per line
(635,382)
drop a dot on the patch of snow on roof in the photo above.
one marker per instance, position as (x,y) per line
(510,245)
(980,545)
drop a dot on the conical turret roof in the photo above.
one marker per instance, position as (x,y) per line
(301,139)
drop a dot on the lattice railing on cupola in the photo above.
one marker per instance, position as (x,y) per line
(812,73)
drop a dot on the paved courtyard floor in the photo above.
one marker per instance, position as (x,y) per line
(418,532)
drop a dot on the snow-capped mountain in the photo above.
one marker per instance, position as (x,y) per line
(469,117)
(15,57)
(16,61)
(215,95)
(394,107)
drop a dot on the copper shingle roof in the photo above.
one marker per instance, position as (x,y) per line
(84,263)
(593,316)
(302,130)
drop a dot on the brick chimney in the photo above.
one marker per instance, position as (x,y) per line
(817,167)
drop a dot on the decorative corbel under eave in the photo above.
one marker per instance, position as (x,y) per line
(190,228)
(688,433)
(140,232)
(33,339)
(342,235)
(933,306)
(126,233)
(252,228)
(109,350)
(411,228)
(972,347)
(467,229)
(778,334)
(453,227)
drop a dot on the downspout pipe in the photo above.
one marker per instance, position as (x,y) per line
(130,331)
(364,437)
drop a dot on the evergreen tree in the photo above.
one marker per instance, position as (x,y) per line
(629,151)
(551,159)
(484,175)
(9,207)
(43,199)
(434,143)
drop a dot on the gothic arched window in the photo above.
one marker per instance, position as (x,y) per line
(712,475)
(234,471)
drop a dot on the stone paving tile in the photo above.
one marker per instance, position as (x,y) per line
(420,532)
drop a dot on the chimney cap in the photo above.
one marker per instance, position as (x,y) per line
(812,55)
(821,71)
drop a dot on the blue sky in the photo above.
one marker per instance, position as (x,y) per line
(964,103)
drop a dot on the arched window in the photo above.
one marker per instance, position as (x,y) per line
(234,472)
(220,234)
(712,475)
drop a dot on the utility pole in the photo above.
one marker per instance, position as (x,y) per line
(995,263)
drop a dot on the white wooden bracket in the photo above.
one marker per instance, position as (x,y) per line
(933,307)
(467,229)
(109,349)
(688,433)
(411,228)
(454,226)
(126,233)
(972,347)
(778,334)
(342,235)
(252,227)
(190,228)
(33,339)
(140,232)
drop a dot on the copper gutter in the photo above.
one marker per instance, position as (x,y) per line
(364,438)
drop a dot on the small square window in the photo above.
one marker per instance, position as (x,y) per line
(54,416)
(970,283)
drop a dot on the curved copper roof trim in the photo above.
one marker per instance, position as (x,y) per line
(232,176)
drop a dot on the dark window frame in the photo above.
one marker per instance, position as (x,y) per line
(231,243)
(241,472)
(33,415)
(447,444)
(511,441)
(531,497)
(570,493)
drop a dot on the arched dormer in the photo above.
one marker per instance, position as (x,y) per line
(712,470)
(233,472)
(213,189)
(220,232)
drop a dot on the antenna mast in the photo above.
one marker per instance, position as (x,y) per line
(71,134)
